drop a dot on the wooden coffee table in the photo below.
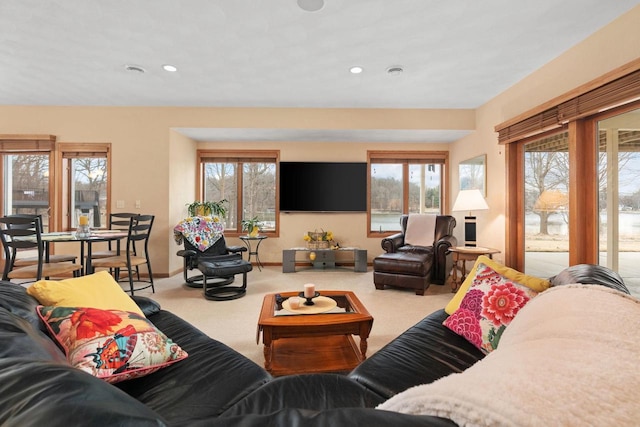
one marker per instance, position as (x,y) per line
(307,343)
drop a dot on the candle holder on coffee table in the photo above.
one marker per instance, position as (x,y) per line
(309,300)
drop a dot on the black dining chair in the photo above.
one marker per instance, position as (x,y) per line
(139,231)
(117,221)
(24,233)
(31,260)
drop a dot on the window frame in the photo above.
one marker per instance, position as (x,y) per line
(240,157)
(407,158)
(66,151)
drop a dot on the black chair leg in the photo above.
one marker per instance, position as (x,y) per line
(130,274)
(153,289)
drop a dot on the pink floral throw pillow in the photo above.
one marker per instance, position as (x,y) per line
(488,307)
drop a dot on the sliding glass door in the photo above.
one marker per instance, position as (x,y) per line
(619,194)
(546,205)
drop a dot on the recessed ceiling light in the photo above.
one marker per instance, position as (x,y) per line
(311,5)
(395,70)
(356,70)
(170,68)
(136,68)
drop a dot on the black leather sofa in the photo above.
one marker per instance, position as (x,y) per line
(217,386)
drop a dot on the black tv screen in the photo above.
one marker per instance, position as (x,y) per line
(323,187)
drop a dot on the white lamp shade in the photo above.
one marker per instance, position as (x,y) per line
(470,200)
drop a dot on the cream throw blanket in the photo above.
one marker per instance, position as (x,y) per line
(421,230)
(571,357)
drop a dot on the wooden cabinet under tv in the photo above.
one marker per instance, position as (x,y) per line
(325,258)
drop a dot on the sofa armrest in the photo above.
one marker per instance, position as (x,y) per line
(445,243)
(590,274)
(146,304)
(443,261)
(391,243)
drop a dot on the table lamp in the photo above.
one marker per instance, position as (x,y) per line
(470,200)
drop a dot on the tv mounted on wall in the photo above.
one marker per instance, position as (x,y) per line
(323,187)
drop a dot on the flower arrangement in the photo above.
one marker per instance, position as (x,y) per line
(318,239)
(315,236)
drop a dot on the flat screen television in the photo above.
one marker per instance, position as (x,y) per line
(323,187)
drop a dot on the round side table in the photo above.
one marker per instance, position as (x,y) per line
(247,241)
(462,254)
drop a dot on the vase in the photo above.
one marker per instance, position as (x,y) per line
(254,231)
(83,223)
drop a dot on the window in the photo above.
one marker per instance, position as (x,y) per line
(85,183)
(404,182)
(39,175)
(247,180)
(27,185)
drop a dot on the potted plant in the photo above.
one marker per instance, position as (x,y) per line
(251,226)
(205,208)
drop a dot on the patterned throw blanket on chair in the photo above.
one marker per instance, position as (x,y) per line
(201,231)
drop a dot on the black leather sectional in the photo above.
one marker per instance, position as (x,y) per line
(217,386)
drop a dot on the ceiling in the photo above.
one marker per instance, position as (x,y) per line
(455,54)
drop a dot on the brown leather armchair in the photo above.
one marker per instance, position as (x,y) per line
(416,267)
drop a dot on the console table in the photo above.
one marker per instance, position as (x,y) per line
(325,258)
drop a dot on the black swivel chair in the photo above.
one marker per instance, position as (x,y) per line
(218,266)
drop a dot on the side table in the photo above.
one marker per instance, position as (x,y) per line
(462,254)
(247,241)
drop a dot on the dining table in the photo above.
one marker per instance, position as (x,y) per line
(102,235)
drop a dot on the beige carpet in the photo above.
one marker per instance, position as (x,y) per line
(235,322)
